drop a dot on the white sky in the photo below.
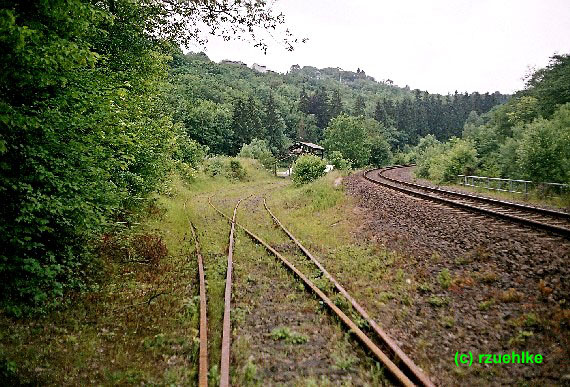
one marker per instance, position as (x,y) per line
(435,45)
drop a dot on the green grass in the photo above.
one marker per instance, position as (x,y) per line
(141,325)
(288,336)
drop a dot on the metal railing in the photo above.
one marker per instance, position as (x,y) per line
(513,185)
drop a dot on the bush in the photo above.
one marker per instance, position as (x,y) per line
(339,161)
(308,168)
(460,158)
(348,135)
(237,171)
(226,167)
(380,152)
(258,150)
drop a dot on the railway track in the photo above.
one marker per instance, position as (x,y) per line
(391,356)
(537,218)
(203,357)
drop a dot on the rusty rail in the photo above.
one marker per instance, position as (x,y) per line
(203,362)
(454,203)
(418,374)
(226,330)
(381,356)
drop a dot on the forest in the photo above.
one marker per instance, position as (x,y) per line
(99,105)
(238,104)
(526,138)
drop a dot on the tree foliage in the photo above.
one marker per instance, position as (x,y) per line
(307,168)
(526,138)
(86,128)
(349,136)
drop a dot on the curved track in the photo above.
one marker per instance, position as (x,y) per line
(533,217)
(406,372)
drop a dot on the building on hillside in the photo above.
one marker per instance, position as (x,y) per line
(259,68)
(234,62)
(300,148)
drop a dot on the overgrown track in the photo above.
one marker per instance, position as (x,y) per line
(226,330)
(203,365)
(416,373)
(534,217)
(398,373)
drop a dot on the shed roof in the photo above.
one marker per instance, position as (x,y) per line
(311,145)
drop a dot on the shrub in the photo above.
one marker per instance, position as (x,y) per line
(348,135)
(308,168)
(237,171)
(259,150)
(339,161)
(380,152)
(225,166)
(459,158)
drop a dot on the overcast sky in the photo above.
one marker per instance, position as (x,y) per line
(434,45)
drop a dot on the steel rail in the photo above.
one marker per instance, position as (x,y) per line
(512,218)
(394,370)
(418,374)
(226,330)
(515,206)
(203,361)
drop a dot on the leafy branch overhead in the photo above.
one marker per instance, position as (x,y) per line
(189,21)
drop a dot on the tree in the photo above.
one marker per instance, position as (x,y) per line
(259,150)
(551,85)
(319,107)
(347,135)
(335,104)
(359,106)
(307,168)
(380,114)
(380,152)
(304,102)
(274,125)
(246,122)
(85,127)
(544,149)
(210,124)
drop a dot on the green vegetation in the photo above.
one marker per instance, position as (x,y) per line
(307,168)
(87,129)
(526,138)
(288,336)
(444,278)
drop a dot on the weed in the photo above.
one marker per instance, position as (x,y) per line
(486,305)
(289,336)
(532,321)
(436,257)
(463,260)
(214,376)
(424,287)
(377,374)
(237,171)
(448,321)
(386,296)
(444,278)
(510,295)
(406,300)
(488,277)
(438,301)
(250,377)
(344,362)
(521,338)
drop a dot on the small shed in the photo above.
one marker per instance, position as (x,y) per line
(298,148)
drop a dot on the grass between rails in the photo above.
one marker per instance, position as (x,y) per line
(141,325)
